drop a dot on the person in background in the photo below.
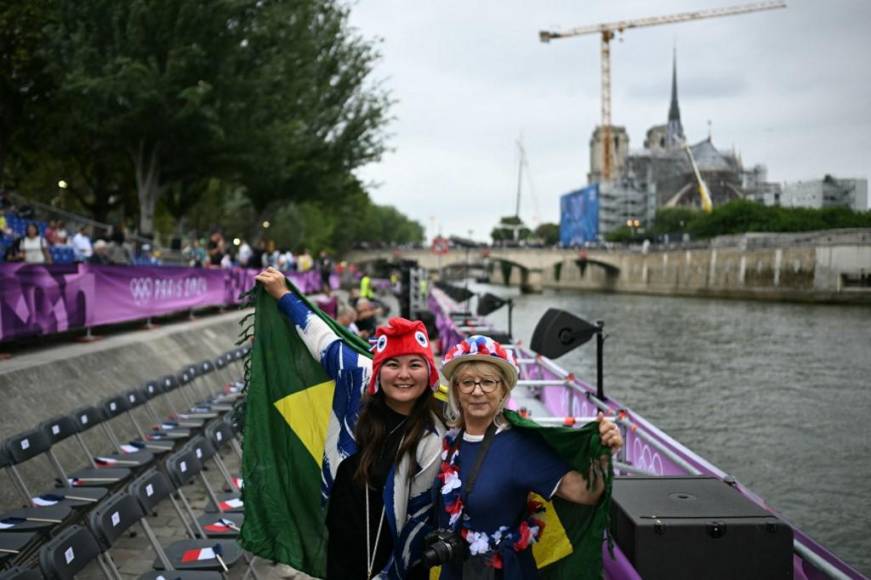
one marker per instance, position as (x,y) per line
(245,253)
(50,233)
(61,236)
(118,251)
(100,257)
(325,266)
(215,249)
(33,248)
(367,317)
(366,290)
(82,244)
(304,261)
(347,316)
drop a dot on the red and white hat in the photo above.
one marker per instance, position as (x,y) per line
(480,348)
(398,338)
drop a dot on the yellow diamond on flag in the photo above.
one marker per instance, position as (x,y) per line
(307,412)
(554,545)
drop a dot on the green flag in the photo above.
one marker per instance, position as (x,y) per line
(571,545)
(288,411)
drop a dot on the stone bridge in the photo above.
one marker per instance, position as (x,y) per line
(527,268)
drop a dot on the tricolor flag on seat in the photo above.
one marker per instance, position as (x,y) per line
(106,461)
(222,526)
(131,447)
(231,504)
(198,555)
(46,500)
(238,482)
(7,523)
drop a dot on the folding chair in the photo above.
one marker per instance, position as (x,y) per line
(215,401)
(180,418)
(120,512)
(12,545)
(164,430)
(104,470)
(136,398)
(29,445)
(181,466)
(30,519)
(21,573)
(218,502)
(219,434)
(132,455)
(69,553)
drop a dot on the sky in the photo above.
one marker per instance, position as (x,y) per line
(788,88)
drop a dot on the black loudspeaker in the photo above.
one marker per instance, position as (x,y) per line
(697,527)
(558,332)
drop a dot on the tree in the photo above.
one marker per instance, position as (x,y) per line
(548,233)
(508,225)
(26,87)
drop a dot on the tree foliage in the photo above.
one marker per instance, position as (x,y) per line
(742,216)
(505,230)
(172,102)
(548,233)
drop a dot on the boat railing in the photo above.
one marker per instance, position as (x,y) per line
(647,451)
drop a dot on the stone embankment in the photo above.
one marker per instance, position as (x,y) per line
(818,267)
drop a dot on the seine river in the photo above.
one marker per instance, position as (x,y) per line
(778,395)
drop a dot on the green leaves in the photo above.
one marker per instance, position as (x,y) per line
(271,98)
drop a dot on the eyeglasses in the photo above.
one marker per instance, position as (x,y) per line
(487,385)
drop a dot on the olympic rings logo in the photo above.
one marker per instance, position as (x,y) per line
(142,290)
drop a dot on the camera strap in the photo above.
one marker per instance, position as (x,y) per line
(469,482)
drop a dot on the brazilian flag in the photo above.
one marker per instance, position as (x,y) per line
(571,546)
(288,410)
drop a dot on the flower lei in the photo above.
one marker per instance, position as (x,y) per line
(480,543)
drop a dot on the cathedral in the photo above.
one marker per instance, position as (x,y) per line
(661,174)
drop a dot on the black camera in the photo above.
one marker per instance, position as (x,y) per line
(442,547)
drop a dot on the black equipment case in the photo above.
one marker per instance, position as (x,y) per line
(697,527)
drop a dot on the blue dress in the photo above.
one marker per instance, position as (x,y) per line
(516,463)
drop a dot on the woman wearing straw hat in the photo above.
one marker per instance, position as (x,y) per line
(380,497)
(489,468)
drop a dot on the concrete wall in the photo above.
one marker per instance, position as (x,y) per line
(801,273)
(40,385)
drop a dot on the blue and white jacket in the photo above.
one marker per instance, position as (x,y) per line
(407,493)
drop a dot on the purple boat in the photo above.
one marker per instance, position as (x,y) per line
(552,395)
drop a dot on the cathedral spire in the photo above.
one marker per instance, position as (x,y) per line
(674,136)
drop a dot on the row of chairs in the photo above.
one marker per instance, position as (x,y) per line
(149,468)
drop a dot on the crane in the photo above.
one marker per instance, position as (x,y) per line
(609,29)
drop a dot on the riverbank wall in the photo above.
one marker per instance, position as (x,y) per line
(45,383)
(815,267)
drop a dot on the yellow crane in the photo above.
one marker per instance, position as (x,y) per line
(609,29)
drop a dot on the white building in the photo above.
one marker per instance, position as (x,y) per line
(827,192)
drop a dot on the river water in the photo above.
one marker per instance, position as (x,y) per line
(778,395)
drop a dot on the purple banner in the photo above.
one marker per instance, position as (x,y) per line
(45,299)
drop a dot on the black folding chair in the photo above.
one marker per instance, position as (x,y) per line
(181,466)
(12,544)
(69,553)
(132,455)
(138,398)
(218,502)
(103,470)
(21,573)
(31,444)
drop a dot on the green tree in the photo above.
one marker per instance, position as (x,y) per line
(548,233)
(505,230)
(26,87)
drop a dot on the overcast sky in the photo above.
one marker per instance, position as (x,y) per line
(788,88)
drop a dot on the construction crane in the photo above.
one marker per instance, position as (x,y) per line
(607,32)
